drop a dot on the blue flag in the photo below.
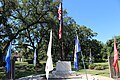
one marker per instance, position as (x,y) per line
(7,59)
(77,50)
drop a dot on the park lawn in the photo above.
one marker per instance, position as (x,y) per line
(28,69)
(24,69)
(2,72)
(104,72)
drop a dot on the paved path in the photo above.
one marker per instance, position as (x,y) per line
(95,77)
(81,77)
(32,77)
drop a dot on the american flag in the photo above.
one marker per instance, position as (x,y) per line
(59,12)
(60,19)
(60,31)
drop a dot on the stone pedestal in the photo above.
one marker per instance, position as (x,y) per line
(63,70)
(63,66)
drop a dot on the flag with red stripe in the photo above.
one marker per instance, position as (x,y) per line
(60,20)
(115,63)
(60,12)
(60,31)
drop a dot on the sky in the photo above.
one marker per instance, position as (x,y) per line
(101,16)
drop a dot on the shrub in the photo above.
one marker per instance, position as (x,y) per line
(30,61)
(99,67)
(91,66)
(2,75)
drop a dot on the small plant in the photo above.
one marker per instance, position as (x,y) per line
(99,67)
(91,66)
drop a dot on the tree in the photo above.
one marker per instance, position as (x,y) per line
(104,52)
(20,17)
(26,23)
(110,45)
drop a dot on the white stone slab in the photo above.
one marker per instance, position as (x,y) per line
(63,66)
(63,70)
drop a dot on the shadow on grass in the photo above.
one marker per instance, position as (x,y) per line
(23,69)
(2,73)
(27,70)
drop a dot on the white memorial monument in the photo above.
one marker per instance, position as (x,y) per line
(63,70)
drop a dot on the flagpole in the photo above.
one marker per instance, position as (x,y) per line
(34,61)
(84,65)
(11,64)
(90,60)
(61,30)
(11,69)
(62,53)
(117,73)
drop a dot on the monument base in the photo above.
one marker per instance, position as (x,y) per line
(63,71)
(56,74)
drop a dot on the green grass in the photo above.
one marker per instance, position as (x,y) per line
(103,63)
(21,63)
(2,72)
(104,72)
(119,64)
(95,72)
(2,75)
(24,69)
(23,73)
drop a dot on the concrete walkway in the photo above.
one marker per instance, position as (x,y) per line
(32,77)
(81,77)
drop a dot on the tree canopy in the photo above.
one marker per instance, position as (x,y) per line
(27,23)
